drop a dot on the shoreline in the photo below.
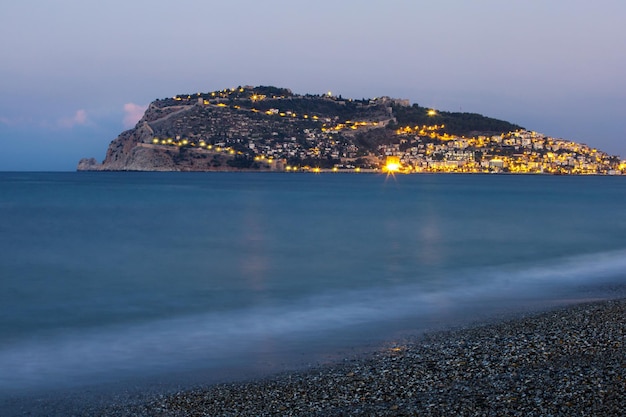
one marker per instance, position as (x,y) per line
(566,361)
(374,171)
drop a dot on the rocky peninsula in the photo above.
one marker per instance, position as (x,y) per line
(272,129)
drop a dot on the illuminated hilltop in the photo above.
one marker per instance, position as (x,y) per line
(272,129)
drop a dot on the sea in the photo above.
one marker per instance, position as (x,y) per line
(118,284)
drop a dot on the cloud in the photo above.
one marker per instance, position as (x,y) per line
(133,113)
(15,121)
(79,119)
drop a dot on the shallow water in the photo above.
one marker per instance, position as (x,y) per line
(109,277)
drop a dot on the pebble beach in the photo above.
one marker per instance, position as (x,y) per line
(565,362)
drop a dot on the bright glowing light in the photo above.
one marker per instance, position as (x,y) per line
(432,112)
(392,164)
(392,167)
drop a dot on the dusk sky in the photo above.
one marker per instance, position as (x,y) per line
(76,73)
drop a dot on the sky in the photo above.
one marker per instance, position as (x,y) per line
(74,74)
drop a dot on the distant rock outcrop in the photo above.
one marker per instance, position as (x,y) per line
(89,164)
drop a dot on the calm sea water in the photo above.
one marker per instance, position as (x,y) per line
(109,277)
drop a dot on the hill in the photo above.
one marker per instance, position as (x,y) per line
(270,128)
